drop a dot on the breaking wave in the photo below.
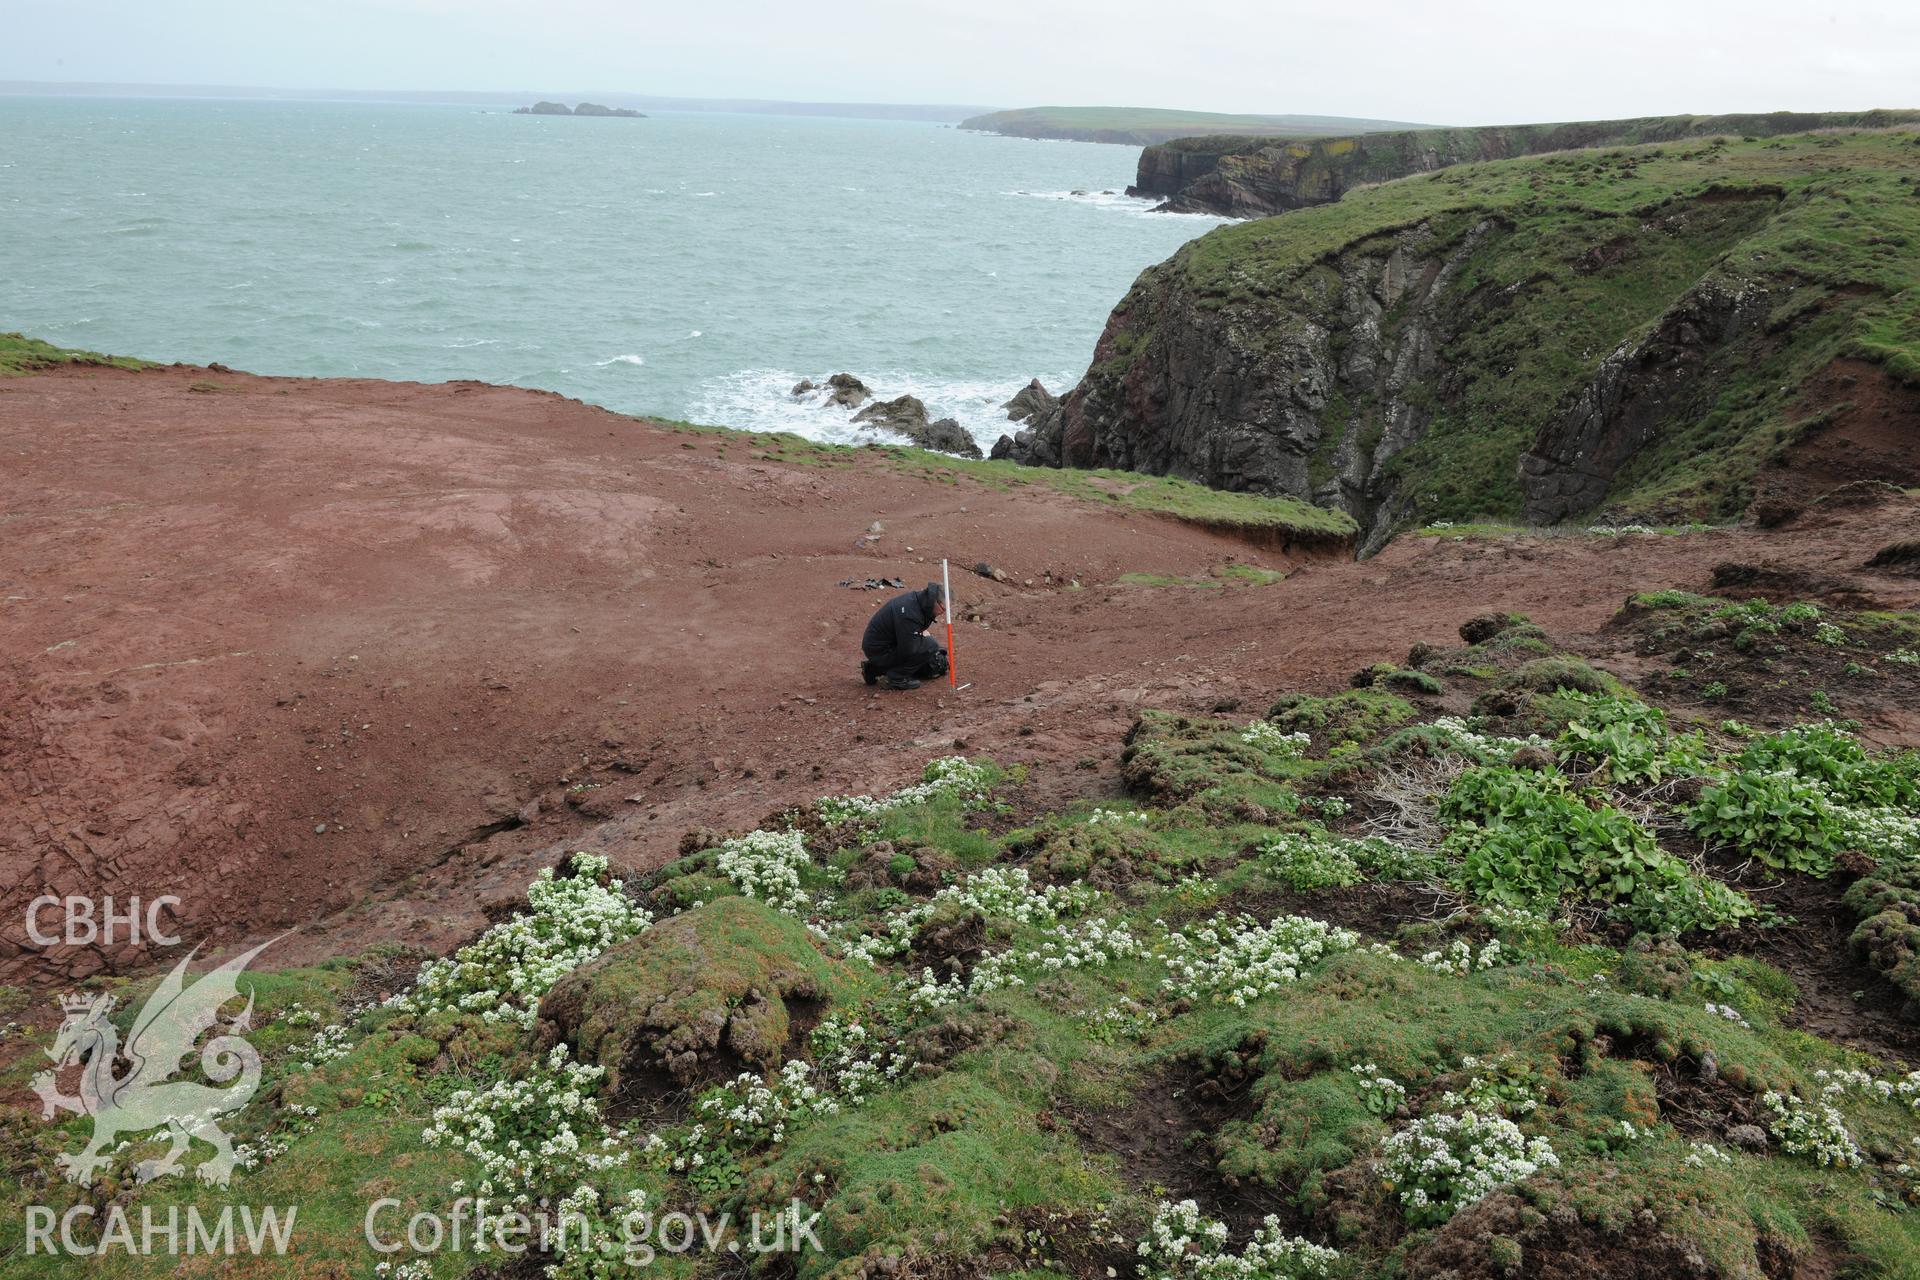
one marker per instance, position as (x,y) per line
(763,400)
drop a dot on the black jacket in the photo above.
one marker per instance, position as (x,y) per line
(894,626)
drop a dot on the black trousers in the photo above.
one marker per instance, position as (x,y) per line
(922,659)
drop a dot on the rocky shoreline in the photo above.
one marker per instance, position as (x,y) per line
(903,415)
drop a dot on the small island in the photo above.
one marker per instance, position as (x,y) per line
(584,109)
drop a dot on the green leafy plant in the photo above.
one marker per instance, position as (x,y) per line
(1307,863)
(1626,737)
(1829,756)
(1781,818)
(1527,840)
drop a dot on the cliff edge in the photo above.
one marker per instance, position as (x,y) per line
(1241,176)
(1659,334)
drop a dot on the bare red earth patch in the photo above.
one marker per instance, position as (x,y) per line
(357,658)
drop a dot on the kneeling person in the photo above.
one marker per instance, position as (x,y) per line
(896,644)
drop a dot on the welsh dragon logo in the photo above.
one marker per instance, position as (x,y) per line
(145,1097)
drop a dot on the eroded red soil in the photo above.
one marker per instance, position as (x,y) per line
(358,657)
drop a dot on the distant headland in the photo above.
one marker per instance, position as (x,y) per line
(1146,126)
(584,109)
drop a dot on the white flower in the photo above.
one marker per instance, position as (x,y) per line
(502,974)
(1271,738)
(1485,748)
(1382,1094)
(1116,817)
(1241,960)
(1181,1242)
(1440,1164)
(1815,1130)
(1728,1012)
(1704,1155)
(526,1133)
(947,776)
(767,865)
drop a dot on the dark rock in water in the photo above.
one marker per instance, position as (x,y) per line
(1030,400)
(803,386)
(908,416)
(947,436)
(848,390)
(1002,449)
(544,109)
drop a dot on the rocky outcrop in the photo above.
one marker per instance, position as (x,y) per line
(1039,443)
(842,389)
(1030,401)
(1209,400)
(908,416)
(1254,177)
(946,435)
(847,391)
(904,414)
(1640,389)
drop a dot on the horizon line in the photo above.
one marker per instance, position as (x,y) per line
(139,88)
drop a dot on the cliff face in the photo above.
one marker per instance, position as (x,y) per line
(1183,388)
(1629,332)
(1164,171)
(1253,177)
(1643,385)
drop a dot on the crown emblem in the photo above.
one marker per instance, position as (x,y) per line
(76,1002)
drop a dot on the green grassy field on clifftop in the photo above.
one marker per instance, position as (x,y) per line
(21,354)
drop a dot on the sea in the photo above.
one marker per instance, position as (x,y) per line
(692,266)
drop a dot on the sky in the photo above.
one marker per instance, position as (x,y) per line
(1456,62)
